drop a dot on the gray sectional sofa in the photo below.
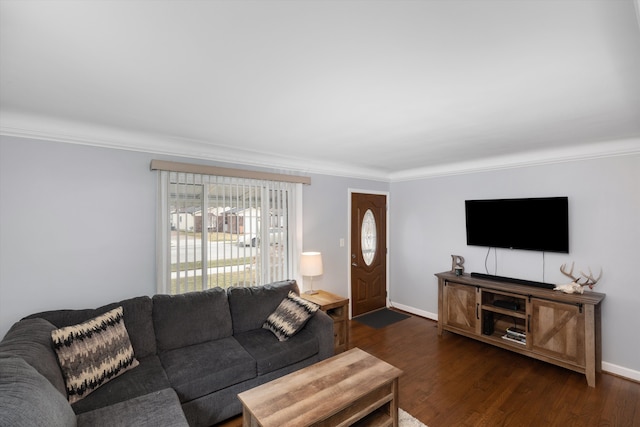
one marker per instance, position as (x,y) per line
(196,352)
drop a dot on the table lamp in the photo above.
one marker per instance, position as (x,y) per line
(311,265)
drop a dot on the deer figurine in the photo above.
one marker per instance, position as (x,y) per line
(576,286)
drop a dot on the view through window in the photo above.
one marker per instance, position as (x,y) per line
(224,231)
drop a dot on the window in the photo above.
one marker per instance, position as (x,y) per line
(216,230)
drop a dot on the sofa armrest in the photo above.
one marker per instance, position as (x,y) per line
(321,325)
(30,339)
(27,398)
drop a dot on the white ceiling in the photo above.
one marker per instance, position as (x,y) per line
(381,89)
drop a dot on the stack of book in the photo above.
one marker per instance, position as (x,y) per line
(515,335)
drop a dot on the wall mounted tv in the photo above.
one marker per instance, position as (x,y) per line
(536,224)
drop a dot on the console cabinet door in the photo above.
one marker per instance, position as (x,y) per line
(557,330)
(461,307)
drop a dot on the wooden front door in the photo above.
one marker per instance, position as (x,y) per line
(368,252)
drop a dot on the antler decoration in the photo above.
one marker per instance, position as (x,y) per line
(576,285)
(590,281)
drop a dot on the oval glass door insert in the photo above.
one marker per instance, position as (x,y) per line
(368,237)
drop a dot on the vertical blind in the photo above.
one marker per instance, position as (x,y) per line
(225,231)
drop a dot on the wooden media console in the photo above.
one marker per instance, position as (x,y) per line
(559,328)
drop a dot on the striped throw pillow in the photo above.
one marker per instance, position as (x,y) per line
(290,316)
(93,353)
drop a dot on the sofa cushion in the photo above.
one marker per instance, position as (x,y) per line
(148,377)
(93,352)
(28,399)
(271,354)
(160,408)
(191,318)
(290,316)
(250,306)
(137,317)
(220,405)
(200,369)
(31,340)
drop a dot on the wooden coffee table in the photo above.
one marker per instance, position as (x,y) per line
(352,387)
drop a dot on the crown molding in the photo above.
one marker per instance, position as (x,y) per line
(623,147)
(73,132)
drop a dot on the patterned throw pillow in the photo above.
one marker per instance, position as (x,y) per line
(290,316)
(93,353)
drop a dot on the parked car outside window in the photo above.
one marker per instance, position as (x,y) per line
(276,237)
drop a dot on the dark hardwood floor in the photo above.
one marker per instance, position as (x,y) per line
(456,381)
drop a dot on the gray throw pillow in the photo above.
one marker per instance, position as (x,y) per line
(290,316)
(93,353)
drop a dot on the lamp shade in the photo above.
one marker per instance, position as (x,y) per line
(311,264)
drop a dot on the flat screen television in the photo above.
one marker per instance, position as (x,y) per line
(535,224)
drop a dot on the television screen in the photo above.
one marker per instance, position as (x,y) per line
(537,224)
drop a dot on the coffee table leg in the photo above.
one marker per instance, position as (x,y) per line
(247,418)
(394,403)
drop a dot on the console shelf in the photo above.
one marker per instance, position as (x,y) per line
(563,329)
(504,311)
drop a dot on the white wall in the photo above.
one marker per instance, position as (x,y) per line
(428,225)
(77,230)
(326,221)
(77,226)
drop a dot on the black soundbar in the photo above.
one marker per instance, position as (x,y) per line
(513,280)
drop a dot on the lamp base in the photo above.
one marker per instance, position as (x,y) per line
(311,292)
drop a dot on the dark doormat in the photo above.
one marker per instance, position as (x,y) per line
(380,318)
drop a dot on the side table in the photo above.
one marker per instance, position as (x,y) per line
(336,307)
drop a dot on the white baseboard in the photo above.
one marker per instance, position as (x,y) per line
(415,311)
(620,371)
